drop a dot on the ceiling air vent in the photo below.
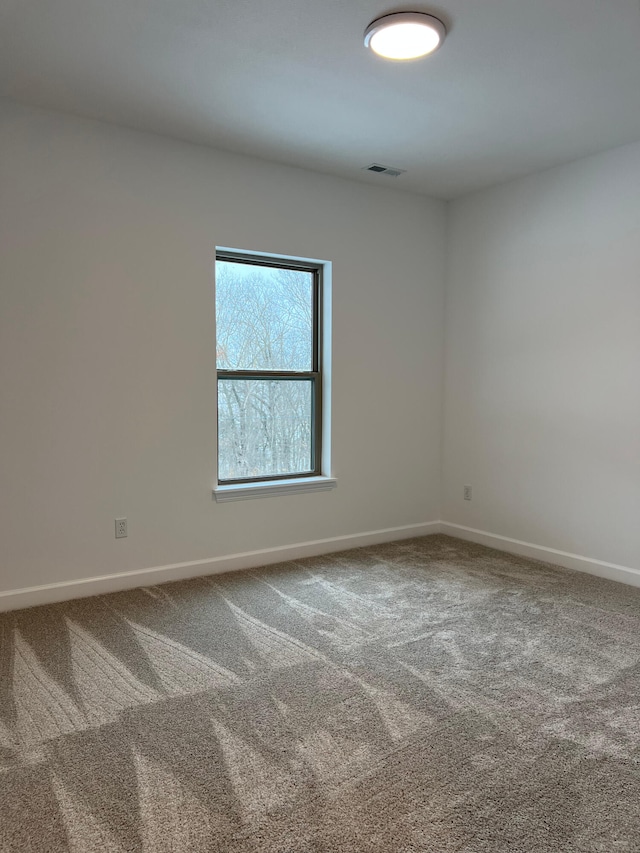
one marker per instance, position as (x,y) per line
(384,170)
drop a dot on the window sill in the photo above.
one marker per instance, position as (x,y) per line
(272,488)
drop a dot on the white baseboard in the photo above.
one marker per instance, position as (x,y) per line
(66,590)
(611,571)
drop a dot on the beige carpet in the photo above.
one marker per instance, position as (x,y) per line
(427,695)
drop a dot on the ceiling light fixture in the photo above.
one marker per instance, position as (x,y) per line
(404,35)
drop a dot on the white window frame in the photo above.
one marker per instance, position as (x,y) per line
(320,479)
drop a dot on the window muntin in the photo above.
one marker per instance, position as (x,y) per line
(268,316)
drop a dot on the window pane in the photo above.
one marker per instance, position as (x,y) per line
(264,427)
(264,317)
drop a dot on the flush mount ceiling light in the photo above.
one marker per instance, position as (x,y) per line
(404,35)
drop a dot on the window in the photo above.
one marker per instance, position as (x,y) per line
(269,366)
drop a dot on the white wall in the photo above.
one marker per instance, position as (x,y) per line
(107,363)
(107,358)
(542,399)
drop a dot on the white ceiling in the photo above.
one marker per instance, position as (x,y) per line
(519,85)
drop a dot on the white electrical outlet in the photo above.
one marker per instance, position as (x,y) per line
(121,528)
(467,493)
